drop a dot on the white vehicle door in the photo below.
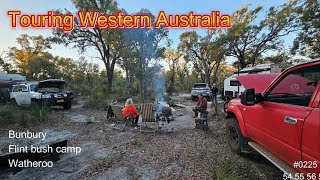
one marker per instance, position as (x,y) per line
(26,95)
(16,94)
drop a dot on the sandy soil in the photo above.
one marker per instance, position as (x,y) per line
(185,153)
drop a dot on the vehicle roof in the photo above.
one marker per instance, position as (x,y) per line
(57,80)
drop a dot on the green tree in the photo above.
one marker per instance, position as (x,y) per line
(308,41)
(172,57)
(30,50)
(106,41)
(249,40)
(195,48)
(148,44)
(5,66)
(41,68)
(205,53)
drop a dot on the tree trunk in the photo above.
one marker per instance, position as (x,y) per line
(216,71)
(206,72)
(173,73)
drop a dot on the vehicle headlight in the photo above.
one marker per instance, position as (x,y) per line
(65,95)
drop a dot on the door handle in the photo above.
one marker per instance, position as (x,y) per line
(290,120)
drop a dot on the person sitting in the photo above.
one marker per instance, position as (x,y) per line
(110,113)
(130,111)
(201,105)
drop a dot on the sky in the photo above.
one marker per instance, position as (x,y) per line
(8,34)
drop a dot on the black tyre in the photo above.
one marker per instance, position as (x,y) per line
(234,136)
(67,105)
(13,101)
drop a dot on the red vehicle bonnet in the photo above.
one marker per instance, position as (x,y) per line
(293,84)
(257,81)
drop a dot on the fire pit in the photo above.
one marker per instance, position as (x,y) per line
(164,114)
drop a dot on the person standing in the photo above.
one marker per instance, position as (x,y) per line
(201,105)
(214,91)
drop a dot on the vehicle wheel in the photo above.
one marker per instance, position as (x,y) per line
(67,105)
(234,135)
(13,101)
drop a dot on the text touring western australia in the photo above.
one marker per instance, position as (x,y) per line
(95,19)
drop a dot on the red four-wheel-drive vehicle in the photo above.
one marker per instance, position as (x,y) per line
(282,121)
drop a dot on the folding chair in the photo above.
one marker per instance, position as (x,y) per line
(202,121)
(147,115)
(117,110)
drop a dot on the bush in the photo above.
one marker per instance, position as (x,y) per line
(7,114)
(170,89)
(13,114)
(40,110)
(97,100)
(228,170)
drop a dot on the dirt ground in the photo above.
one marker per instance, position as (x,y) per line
(106,153)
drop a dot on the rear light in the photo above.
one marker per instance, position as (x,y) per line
(206,88)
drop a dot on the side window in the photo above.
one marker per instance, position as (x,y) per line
(25,88)
(17,88)
(33,87)
(296,88)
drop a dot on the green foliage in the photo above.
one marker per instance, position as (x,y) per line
(228,170)
(307,42)
(23,120)
(11,114)
(40,110)
(98,99)
(170,89)
(249,40)
(7,114)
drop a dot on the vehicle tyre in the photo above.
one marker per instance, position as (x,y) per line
(67,105)
(14,102)
(234,135)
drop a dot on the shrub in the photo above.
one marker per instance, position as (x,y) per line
(228,170)
(170,89)
(7,114)
(40,110)
(97,100)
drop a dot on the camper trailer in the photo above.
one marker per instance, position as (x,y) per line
(7,80)
(232,87)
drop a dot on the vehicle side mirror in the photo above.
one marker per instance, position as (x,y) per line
(248,97)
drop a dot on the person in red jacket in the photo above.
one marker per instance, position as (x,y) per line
(131,110)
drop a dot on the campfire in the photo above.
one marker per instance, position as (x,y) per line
(164,113)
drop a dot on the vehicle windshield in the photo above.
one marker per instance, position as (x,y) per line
(33,87)
(200,86)
(298,82)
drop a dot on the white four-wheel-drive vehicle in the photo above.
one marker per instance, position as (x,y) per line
(49,91)
(201,88)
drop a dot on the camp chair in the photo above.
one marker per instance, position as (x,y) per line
(148,115)
(117,110)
